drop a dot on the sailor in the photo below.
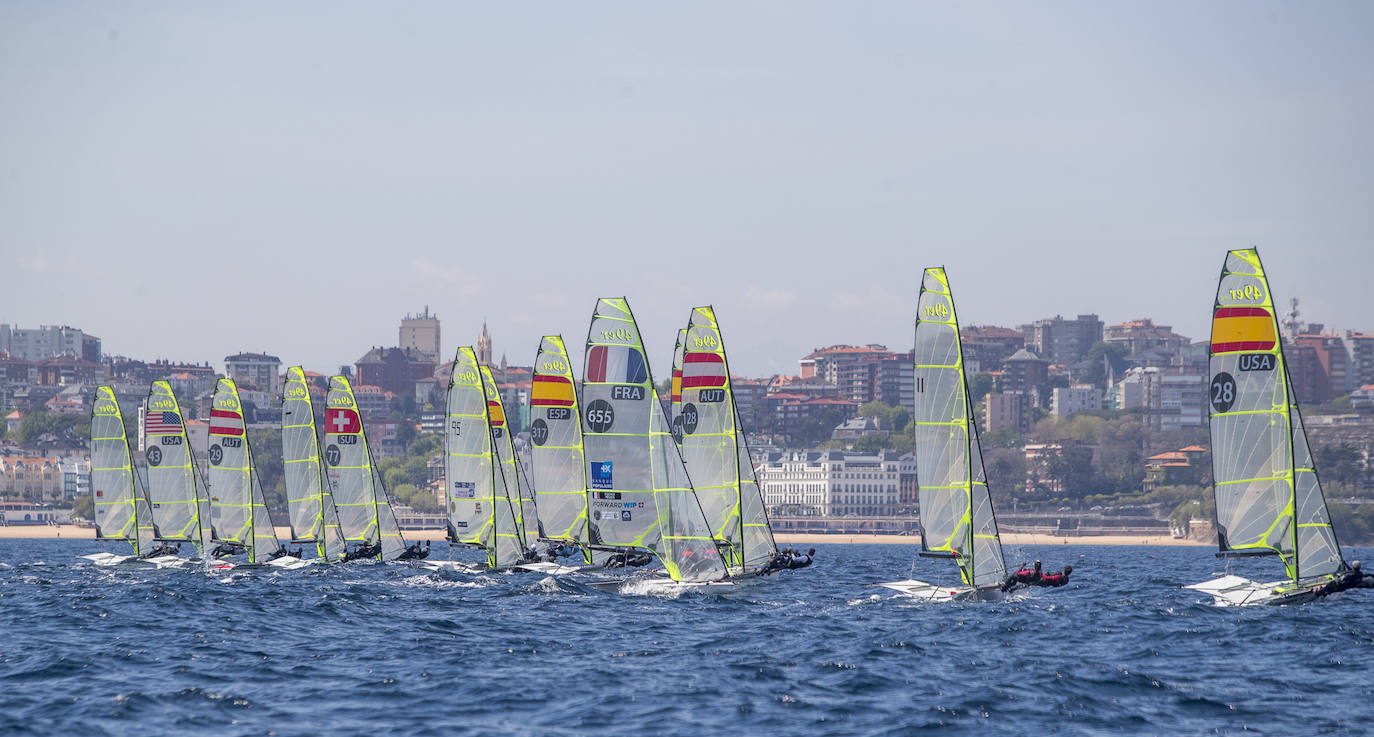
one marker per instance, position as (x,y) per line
(798,560)
(1023,575)
(1055,579)
(1347,580)
(415,552)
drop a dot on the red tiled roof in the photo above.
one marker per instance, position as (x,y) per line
(1193,449)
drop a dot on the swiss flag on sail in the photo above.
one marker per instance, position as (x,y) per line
(342,421)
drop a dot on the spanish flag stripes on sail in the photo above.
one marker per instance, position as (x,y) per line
(703,370)
(677,385)
(1242,329)
(496,413)
(552,391)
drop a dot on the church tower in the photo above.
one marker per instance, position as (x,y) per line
(484,347)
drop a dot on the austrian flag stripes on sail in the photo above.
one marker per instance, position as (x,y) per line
(342,421)
(225,422)
(703,370)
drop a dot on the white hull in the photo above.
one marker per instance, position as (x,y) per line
(452,565)
(930,592)
(110,559)
(552,569)
(1234,590)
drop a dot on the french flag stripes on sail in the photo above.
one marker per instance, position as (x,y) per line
(616,364)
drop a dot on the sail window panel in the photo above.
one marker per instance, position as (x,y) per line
(939,395)
(112,488)
(1319,554)
(301,472)
(1249,446)
(557,476)
(1255,513)
(941,456)
(936,345)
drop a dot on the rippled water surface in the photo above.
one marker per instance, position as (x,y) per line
(377,650)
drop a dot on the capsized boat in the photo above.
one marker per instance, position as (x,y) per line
(957,519)
(366,519)
(121,507)
(715,450)
(558,465)
(239,521)
(309,502)
(176,493)
(642,501)
(480,511)
(1268,498)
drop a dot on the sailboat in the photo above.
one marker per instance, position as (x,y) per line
(641,497)
(309,502)
(239,521)
(715,451)
(1268,498)
(558,465)
(365,516)
(519,496)
(181,509)
(480,512)
(957,519)
(121,508)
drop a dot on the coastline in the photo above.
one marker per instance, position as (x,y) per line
(20,532)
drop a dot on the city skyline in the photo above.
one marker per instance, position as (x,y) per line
(299,184)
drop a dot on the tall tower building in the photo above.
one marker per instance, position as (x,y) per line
(420,332)
(484,346)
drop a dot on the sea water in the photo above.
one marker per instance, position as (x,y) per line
(379,650)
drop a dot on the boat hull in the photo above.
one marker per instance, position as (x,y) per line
(106,560)
(930,592)
(1232,590)
(661,587)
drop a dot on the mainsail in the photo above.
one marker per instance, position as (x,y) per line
(524,527)
(238,512)
(956,510)
(713,447)
(640,494)
(479,511)
(1268,499)
(558,466)
(121,504)
(365,514)
(309,503)
(180,507)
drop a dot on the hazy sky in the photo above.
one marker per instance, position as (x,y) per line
(190,182)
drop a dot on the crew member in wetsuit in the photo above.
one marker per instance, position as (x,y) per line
(415,552)
(1023,575)
(1348,580)
(1055,579)
(798,560)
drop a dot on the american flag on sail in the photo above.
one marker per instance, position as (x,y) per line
(162,423)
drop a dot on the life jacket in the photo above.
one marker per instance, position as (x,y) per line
(1053,579)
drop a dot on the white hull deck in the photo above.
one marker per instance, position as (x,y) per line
(1232,590)
(555,569)
(930,592)
(661,587)
(110,559)
(284,563)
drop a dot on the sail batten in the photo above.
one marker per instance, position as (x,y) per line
(956,508)
(310,505)
(1268,497)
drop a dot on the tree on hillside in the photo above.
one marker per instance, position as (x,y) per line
(1096,374)
(979,385)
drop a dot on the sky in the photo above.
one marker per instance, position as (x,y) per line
(188,181)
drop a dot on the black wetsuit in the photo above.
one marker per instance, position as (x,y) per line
(415,552)
(1348,580)
(798,561)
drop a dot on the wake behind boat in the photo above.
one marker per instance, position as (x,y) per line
(1268,498)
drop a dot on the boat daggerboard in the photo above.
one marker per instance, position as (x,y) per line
(558,466)
(121,508)
(956,513)
(365,514)
(640,494)
(516,522)
(309,503)
(712,447)
(238,512)
(675,387)
(1267,494)
(180,506)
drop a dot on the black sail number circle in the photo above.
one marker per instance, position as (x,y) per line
(600,416)
(332,456)
(689,418)
(1222,392)
(539,432)
(216,455)
(154,456)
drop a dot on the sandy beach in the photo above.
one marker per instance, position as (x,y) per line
(1008,538)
